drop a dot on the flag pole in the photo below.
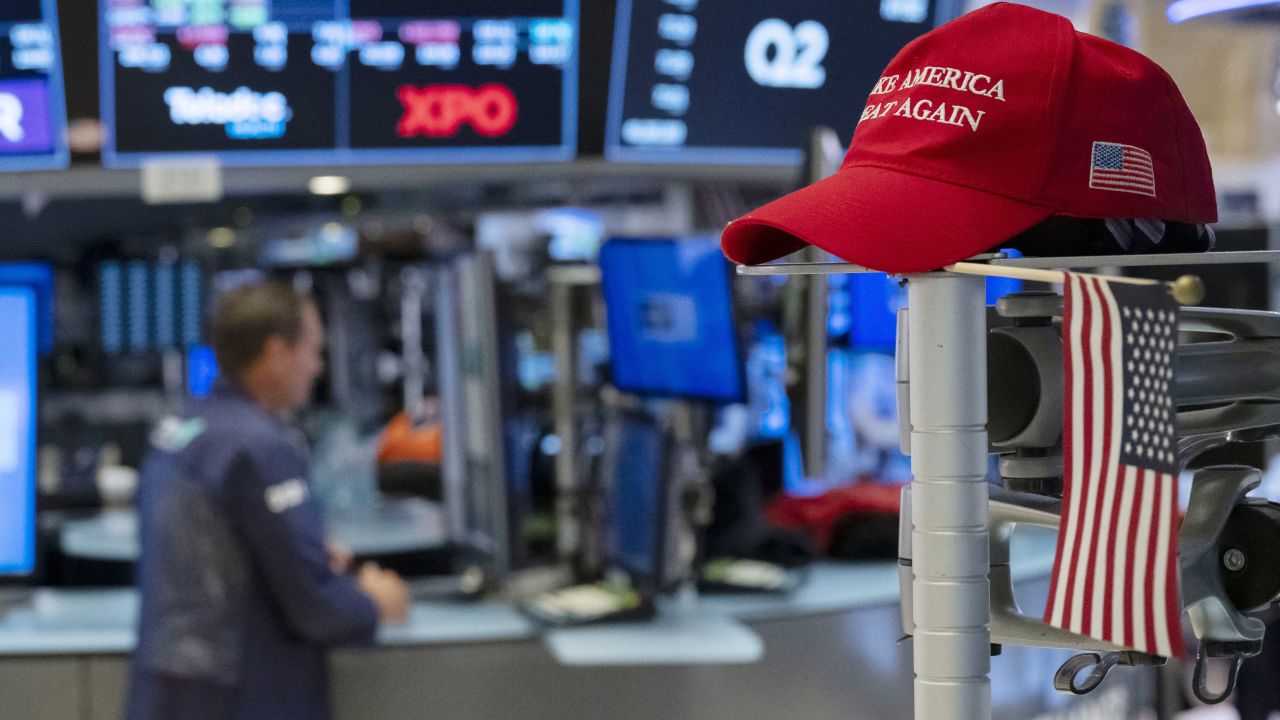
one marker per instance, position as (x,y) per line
(1187,290)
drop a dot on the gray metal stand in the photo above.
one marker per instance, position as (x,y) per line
(566,283)
(948,447)
(950,593)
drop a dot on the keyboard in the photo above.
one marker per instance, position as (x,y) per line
(736,575)
(583,604)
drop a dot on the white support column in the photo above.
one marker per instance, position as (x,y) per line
(950,590)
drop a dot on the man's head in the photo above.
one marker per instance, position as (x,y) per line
(269,340)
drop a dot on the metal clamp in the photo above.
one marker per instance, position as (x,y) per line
(1216,494)
(1237,653)
(1064,680)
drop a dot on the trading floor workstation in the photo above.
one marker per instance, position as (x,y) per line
(638,598)
(635,359)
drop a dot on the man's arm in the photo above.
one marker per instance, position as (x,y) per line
(284,531)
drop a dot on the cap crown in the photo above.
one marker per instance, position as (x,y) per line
(1013,101)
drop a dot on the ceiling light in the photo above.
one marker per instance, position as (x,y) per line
(222,237)
(1183,10)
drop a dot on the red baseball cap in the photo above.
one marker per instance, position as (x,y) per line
(984,127)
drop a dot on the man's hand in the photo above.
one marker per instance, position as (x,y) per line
(340,556)
(387,590)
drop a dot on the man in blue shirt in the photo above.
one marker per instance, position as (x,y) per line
(241,597)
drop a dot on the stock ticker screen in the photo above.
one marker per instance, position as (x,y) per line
(746,81)
(33,114)
(296,82)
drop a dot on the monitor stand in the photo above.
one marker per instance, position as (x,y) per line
(691,500)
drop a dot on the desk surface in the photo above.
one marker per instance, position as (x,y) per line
(103,621)
(692,635)
(98,621)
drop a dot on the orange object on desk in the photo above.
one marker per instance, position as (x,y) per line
(403,441)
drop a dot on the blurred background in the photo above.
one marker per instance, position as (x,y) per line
(621,479)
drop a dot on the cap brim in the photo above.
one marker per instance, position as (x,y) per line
(882,219)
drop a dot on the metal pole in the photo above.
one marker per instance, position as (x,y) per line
(482,385)
(412,356)
(950,591)
(564,391)
(453,461)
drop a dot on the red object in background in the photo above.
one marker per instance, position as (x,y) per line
(815,516)
(442,110)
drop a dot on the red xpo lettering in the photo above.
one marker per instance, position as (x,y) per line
(441,110)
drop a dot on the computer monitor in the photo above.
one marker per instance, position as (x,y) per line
(872,301)
(476,462)
(145,307)
(745,81)
(202,370)
(862,419)
(806,332)
(18,341)
(839,380)
(39,277)
(33,115)
(637,472)
(672,330)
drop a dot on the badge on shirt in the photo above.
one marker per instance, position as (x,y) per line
(286,495)
(173,434)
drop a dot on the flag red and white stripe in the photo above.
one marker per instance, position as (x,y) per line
(1115,576)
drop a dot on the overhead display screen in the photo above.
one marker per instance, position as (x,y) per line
(296,82)
(18,328)
(746,81)
(33,114)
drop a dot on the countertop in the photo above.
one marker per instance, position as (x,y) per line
(48,621)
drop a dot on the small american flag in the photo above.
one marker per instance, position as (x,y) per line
(1115,577)
(1122,168)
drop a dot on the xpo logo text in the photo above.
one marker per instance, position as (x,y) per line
(438,111)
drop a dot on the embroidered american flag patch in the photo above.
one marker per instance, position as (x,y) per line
(1122,168)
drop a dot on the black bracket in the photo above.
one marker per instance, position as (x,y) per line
(1235,652)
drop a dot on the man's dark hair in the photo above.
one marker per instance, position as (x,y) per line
(248,315)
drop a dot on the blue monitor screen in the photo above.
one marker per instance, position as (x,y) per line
(202,370)
(872,307)
(638,471)
(670,319)
(18,329)
(39,277)
(33,114)
(318,82)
